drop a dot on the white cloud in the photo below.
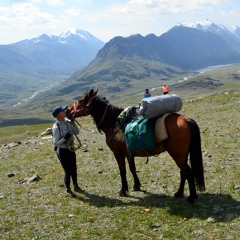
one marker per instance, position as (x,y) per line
(55,2)
(25,15)
(73,12)
(106,19)
(36,1)
(149,7)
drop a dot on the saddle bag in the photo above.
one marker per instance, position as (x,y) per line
(140,135)
(125,117)
(159,105)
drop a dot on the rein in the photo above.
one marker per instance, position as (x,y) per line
(103,115)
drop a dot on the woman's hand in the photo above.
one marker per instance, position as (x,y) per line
(67,136)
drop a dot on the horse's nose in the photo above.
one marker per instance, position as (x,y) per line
(68,114)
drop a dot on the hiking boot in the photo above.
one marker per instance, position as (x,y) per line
(77,188)
(70,193)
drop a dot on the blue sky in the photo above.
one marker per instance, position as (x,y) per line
(105,19)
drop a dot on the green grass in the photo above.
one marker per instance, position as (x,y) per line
(41,210)
(18,133)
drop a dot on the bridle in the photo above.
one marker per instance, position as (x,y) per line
(78,112)
(85,110)
(82,111)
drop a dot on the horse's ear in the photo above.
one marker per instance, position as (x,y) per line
(95,93)
(90,94)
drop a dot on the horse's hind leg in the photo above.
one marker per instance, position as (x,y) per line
(180,192)
(191,183)
(187,174)
(132,167)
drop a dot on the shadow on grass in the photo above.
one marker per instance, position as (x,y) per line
(220,207)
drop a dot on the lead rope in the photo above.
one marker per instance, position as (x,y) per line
(81,125)
(72,146)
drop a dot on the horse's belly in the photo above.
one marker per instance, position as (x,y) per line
(147,153)
(120,140)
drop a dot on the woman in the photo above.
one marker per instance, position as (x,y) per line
(62,131)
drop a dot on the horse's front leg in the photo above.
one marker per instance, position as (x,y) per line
(132,166)
(122,168)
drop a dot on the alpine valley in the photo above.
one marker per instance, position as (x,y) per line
(74,62)
(33,65)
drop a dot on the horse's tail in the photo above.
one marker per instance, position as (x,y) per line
(196,160)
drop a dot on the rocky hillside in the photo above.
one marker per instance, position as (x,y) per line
(34,203)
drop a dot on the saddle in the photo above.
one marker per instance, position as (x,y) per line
(130,114)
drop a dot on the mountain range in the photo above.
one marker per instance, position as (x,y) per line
(121,66)
(31,65)
(125,65)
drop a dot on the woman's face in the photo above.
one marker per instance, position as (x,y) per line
(61,115)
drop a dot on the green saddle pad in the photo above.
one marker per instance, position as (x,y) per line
(140,135)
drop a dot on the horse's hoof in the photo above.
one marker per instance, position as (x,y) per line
(192,199)
(123,194)
(178,195)
(139,190)
(136,189)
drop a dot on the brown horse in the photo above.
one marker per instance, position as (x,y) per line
(183,139)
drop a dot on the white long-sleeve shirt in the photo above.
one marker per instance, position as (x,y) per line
(60,129)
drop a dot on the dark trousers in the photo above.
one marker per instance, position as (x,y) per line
(165,93)
(68,160)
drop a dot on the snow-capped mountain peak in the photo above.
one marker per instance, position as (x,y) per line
(71,36)
(74,32)
(203,25)
(208,25)
(234,30)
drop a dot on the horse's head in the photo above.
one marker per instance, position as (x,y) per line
(82,107)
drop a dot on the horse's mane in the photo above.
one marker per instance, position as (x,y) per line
(98,110)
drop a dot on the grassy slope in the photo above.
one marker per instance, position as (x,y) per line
(40,210)
(203,85)
(16,87)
